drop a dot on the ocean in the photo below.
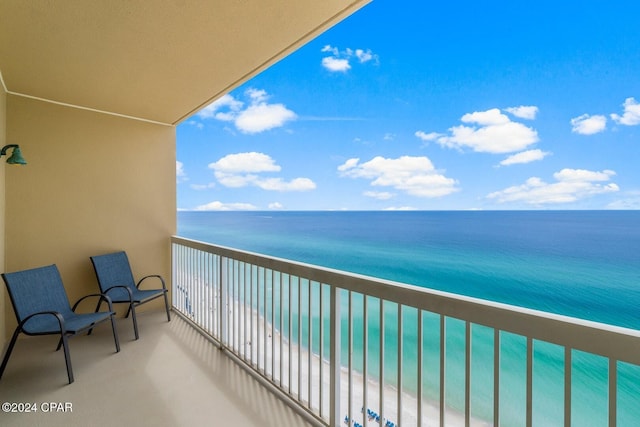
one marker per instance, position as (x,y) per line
(584,264)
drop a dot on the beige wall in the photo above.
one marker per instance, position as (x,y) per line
(3,298)
(94,183)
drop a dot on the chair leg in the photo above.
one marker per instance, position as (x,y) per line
(115,334)
(12,343)
(132,309)
(67,357)
(166,306)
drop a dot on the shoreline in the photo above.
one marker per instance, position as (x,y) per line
(278,370)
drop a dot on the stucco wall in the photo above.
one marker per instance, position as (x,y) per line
(3,299)
(94,183)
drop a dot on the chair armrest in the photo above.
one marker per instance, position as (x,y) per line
(157,276)
(126,288)
(103,297)
(56,314)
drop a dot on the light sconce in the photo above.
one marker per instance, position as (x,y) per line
(16,156)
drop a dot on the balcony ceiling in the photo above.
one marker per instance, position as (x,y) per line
(154,60)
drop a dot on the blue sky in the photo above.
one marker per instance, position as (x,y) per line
(432,106)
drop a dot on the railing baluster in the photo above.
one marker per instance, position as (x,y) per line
(289,334)
(223,297)
(496,377)
(529,420)
(234,304)
(299,339)
(365,351)
(253,318)
(273,325)
(443,344)
(321,352)
(264,319)
(381,353)
(350,357)
(613,392)
(420,345)
(281,335)
(399,391)
(467,374)
(246,311)
(198,284)
(567,386)
(334,374)
(310,349)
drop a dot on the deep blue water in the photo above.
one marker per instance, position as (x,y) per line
(584,264)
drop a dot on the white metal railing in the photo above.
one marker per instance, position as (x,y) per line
(357,350)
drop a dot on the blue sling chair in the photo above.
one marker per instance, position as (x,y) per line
(42,308)
(116,280)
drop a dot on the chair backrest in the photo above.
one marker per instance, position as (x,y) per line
(35,290)
(113,269)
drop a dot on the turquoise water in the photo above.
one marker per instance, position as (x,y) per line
(579,263)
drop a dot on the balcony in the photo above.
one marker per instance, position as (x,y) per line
(171,376)
(339,344)
(266,341)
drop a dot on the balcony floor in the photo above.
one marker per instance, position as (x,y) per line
(171,376)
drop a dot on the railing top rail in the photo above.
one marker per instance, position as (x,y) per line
(607,340)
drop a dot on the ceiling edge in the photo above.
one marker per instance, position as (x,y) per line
(338,17)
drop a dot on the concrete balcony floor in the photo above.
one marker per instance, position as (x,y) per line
(171,376)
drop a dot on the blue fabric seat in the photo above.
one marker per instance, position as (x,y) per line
(115,279)
(42,307)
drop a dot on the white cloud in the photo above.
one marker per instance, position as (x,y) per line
(401,208)
(196,123)
(525,157)
(244,169)
(212,111)
(588,125)
(340,60)
(349,164)
(278,184)
(414,175)
(200,187)
(582,175)
(380,195)
(490,132)
(570,185)
(629,200)
(262,116)
(432,136)
(275,205)
(258,116)
(219,206)
(245,162)
(523,112)
(181,175)
(364,56)
(257,95)
(329,48)
(336,64)
(631,115)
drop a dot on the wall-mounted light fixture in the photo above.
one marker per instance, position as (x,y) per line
(16,156)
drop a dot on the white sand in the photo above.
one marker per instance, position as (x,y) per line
(284,361)
(275,365)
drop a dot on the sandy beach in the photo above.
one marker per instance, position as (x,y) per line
(307,380)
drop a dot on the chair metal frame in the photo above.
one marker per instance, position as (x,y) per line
(90,319)
(134,295)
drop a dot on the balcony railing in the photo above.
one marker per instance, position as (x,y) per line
(356,350)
